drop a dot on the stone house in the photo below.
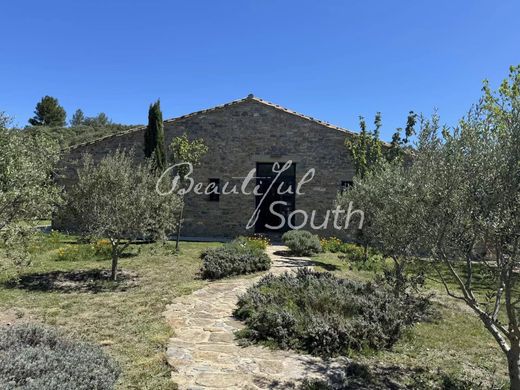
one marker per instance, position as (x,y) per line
(243,135)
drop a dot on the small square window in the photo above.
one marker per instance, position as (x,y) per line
(345,184)
(214,190)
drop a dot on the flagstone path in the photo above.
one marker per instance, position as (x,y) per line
(204,354)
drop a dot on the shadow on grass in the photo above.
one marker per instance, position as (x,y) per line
(289,260)
(325,266)
(88,281)
(342,374)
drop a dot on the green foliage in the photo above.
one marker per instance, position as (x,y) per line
(254,242)
(100,120)
(352,251)
(48,112)
(99,250)
(354,254)
(323,315)
(467,184)
(154,146)
(78,118)
(27,191)
(458,202)
(302,242)
(74,135)
(373,263)
(37,358)
(391,221)
(366,148)
(236,258)
(399,144)
(117,199)
(182,150)
(331,244)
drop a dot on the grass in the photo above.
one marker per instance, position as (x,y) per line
(128,323)
(456,343)
(127,317)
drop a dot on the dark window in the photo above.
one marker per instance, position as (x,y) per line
(345,184)
(264,170)
(214,195)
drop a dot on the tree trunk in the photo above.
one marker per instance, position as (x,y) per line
(513,363)
(179,225)
(399,278)
(115,258)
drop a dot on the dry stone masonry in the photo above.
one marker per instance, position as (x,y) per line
(239,135)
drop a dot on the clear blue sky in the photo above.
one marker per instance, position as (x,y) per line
(333,60)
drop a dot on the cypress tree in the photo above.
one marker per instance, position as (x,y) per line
(154,137)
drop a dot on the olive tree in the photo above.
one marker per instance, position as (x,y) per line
(468,181)
(458,204)
(116,199)
(390,215)
(27,190)
(371,156)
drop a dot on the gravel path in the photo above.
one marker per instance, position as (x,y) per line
(204,354)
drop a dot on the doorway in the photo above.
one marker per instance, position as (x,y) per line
(274,189)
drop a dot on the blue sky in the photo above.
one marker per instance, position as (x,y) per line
(333,60)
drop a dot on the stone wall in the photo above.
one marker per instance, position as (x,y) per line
(238,136)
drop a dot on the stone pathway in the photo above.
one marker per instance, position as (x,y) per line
(204,354)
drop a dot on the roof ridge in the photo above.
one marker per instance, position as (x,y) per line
(135,129)
(217,107)
(289,111)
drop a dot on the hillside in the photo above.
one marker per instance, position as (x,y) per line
(69,136)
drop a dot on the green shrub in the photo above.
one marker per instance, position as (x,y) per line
(353,252)
(322,314)
(103,249)
(79,252)
(301,242)
(355,255)
(37,358)
(374,263)
(331,244)
(99,250)
(234,258)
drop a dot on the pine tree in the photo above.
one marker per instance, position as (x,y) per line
(154,147)
(78,118)
(48,112)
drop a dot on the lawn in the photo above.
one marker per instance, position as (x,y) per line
(126,317)
(455,343)
(127,321)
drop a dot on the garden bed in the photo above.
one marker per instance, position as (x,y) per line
(324,315)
